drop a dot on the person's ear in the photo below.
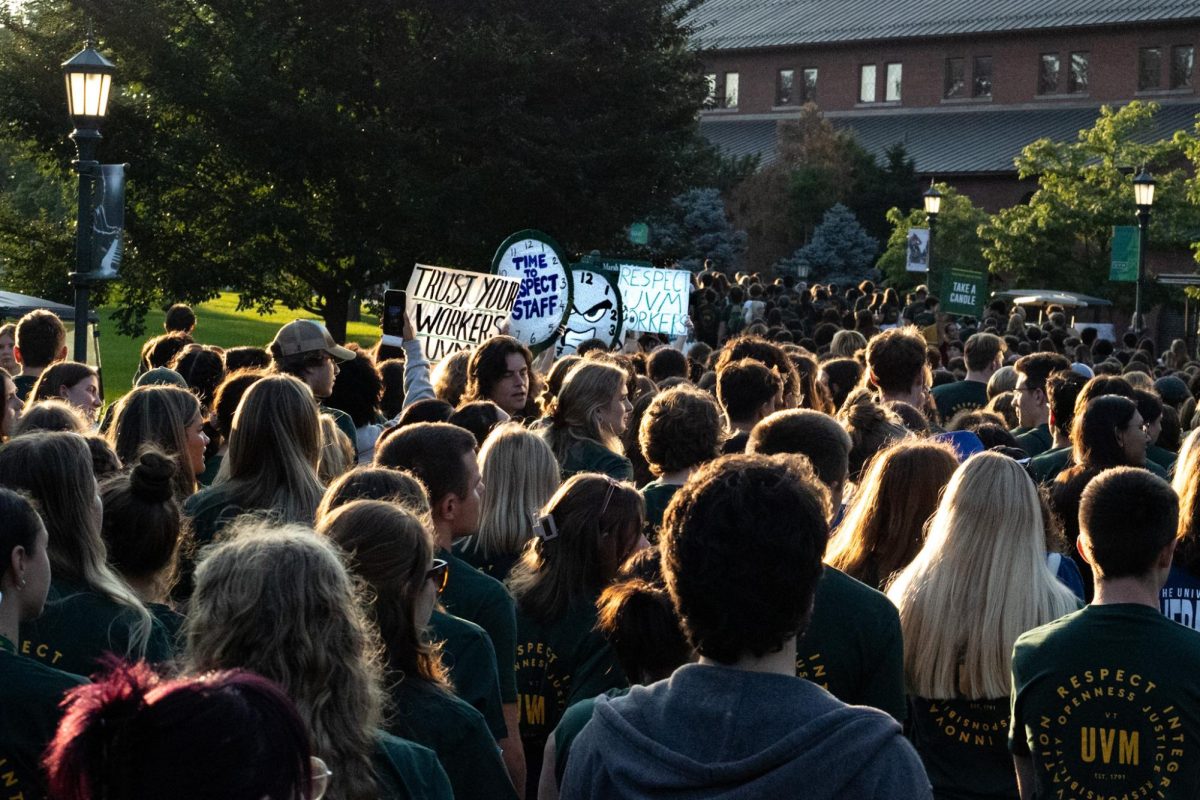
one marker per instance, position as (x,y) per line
(16,565)
(447,507)
(1080,549)
(17,355)
(62,354)
(63,392)
(1167,555)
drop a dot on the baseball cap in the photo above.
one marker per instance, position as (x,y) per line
(307,336)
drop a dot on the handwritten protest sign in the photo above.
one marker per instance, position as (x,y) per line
(596,310)
(656,300)
(453,309)
(545,297)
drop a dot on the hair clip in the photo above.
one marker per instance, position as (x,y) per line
(544,528)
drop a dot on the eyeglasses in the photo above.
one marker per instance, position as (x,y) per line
(439,573)
(320,777)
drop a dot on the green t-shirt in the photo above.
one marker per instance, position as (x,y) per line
(211,467)
(952,398)
(964,747)
(1106,703)
(1045,467)
(496,565)
(345,424)
(475,597)
(24,384)
(468,654)
(558,664)
(408,771)
(657,495)
(1161,456)
(210,510)
(571,724)
(588,456)
(457,733)
(29,696)
(80,625)
(1158,470)
(1036,440)
(853,647)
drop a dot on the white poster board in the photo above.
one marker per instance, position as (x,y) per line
(656,300)
(917,259)
(453,309)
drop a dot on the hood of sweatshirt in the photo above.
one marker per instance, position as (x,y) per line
(712,731)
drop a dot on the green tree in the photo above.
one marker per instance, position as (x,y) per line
(956,241)
(840,250)
(1061,238)
(300,152)
(698,230)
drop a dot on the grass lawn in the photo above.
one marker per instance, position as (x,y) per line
(217,322)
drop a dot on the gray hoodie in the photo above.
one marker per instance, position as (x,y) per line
(718,732)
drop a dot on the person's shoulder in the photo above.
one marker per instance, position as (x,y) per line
(478,582)
(206,501)
(1049,634)
(414,767)
(31,681)
(452,628)
(837,585)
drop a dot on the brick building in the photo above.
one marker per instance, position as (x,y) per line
(963,87)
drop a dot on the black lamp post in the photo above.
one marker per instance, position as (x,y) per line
(1143,198)
(933,205)
(88,77)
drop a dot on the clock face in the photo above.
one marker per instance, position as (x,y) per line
(545,297)
(596,311)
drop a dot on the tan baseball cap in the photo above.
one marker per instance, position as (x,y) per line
(307,336)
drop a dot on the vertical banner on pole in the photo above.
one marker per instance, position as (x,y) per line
(108,222)
(1126,247)
(918,250)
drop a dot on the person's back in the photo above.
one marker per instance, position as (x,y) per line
(739,724)
(1104,700)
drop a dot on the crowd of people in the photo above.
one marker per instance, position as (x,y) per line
(832,544)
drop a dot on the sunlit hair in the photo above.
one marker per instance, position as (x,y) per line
(277,600)
(598,521)
(391,550)
(846,344)
(554,380)
(51,415)
(142,522)
(449,377)
(521,474)
(1187,485)
(376,483)
(588,387)
(871,427)
(274,449)
(337,451)
(232,735)
(56,377)
(55,469)
(884,527)
(158,416)
(980,582)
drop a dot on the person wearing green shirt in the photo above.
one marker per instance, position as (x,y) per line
(1104,700)
(442,457)
(591,526)
(1062,391)
(1150,406)
(681,430)
(30,692)
(390,549)
(587,418)
(1033,405)
(984,354)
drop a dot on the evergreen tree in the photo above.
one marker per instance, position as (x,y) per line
(698,230)
(840,250)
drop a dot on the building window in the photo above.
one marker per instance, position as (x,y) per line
(895,73)
(808,92)
(1048,74)
(710,98)
(981,77)
(866,83)
(731,90)
(1183,59)
(954,82)
(1077,78)
(1149,68)
(783,87)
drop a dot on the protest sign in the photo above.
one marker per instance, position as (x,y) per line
(967,291)
(596,310)
(1125,254)
(918,250)
(656,300)
(545,297)
(453,309)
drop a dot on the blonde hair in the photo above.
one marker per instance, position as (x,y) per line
(160,416)
(55,469)
(521,474)
(980,582)
(588,387)
(337,451)
(846,343)
(277,600)
(274,449)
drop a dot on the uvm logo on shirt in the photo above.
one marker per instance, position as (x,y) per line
(537,674)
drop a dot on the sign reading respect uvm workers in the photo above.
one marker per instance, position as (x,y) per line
(656,300)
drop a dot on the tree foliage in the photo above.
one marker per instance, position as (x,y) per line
(302,151)
(840,250)
(697,230)
(956,241)
(1061,238)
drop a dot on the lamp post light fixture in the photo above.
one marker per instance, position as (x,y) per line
(88,78)
(933,205)
(1143,198)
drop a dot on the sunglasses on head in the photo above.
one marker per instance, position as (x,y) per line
(439,573)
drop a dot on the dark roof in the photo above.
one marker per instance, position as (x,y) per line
(739,24)
(946,142)
(15,306)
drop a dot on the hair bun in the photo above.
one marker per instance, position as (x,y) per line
(152,476)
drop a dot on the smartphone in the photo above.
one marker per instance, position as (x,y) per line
(394,302)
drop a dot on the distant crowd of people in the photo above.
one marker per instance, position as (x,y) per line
(832,544)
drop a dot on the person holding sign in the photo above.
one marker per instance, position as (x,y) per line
(587,419)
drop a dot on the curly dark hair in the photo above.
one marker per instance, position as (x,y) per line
(666,362)
(768,353)
(489,363)
(808,433)
(745,386)
(357,389)
(895,359)
(203,368)
(682,428)
(742,543)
